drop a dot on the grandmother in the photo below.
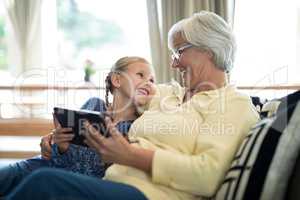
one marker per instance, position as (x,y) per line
(185,141)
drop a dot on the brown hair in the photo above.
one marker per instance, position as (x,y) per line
(120,66)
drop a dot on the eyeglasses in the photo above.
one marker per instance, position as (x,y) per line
(177,53)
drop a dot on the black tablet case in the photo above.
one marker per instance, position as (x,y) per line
(74,119)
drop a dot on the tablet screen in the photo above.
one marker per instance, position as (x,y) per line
(75,118)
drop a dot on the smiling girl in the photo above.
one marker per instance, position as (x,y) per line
(130,82)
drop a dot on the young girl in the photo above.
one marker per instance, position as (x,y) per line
(130,82)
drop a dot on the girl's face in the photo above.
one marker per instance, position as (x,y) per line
(137,83)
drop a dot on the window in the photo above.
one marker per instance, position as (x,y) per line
(69,32)
(3,45)
(101,31)
(266,33)
(66,34)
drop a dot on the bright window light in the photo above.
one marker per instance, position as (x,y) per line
(266,33)
(101,31)
(3,44)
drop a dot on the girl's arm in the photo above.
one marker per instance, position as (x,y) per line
(78,158)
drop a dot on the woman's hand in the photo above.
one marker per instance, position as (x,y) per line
(45,145)
(116,149)
(61,136)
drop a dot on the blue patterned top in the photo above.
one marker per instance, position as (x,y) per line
(82,159)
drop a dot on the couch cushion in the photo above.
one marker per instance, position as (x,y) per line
(293,191)
(257,102)
(289,100)
(263,163)
(285,156)
(270,108)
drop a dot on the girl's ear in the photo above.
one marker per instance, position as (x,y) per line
(115,80)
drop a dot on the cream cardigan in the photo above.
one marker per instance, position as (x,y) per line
(194,142)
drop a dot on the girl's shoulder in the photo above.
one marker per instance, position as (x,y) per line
(95,104)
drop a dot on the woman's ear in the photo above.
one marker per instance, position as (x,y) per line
(115,80)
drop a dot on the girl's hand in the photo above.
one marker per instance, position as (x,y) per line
(115,149)
(61,136)
(45,145)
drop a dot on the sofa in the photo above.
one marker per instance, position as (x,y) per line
(267,164)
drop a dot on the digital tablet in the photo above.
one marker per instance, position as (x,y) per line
(75,118)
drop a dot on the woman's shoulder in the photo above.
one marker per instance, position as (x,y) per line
(95,104)
(241,103)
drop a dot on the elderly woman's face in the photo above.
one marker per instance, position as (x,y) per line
(192,63)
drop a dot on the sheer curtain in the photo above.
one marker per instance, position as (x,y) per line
(25,38)
(162,14)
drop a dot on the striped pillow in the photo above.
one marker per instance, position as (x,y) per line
(264,162)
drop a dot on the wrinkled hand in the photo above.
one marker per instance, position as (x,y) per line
(115,149)
(45,145)
(61,136)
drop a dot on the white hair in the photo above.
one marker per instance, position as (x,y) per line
(209,32)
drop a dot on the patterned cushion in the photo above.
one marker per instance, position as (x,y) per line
(270,108)
(263,163)
(288,100)
(257,102)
